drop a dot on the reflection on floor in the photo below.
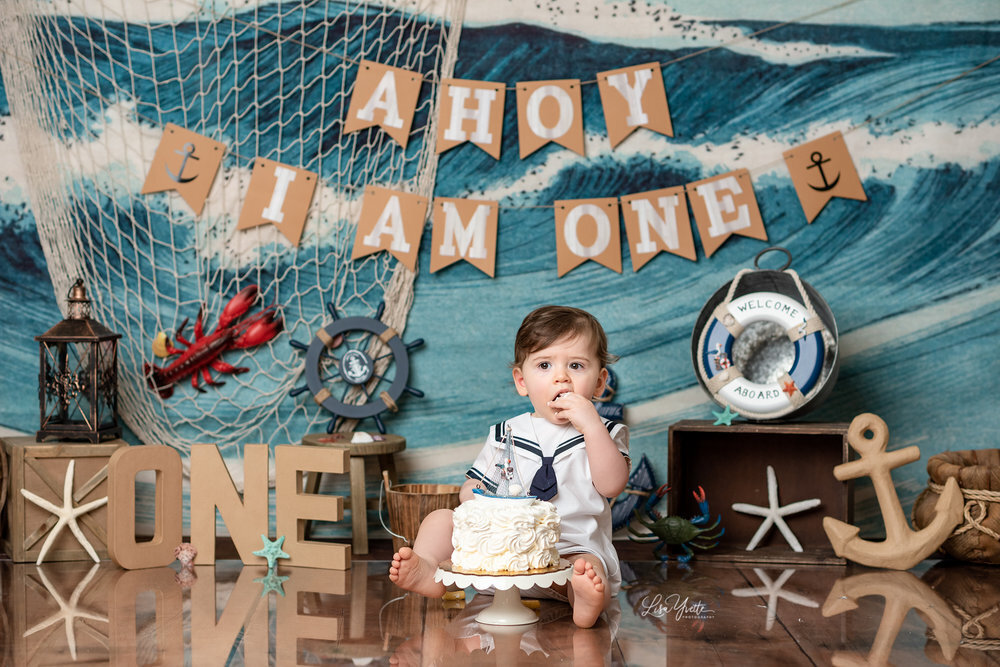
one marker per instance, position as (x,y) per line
(705,614)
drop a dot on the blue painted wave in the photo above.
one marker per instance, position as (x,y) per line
(919,258)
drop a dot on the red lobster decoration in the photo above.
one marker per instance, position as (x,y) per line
(204,352)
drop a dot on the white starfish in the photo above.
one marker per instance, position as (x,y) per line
(68,611)
(775,513)
(67,515)
(773,592)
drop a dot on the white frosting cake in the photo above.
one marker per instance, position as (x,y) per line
(505,536)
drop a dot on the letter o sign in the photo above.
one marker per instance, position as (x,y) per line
(534,107)
(571,225)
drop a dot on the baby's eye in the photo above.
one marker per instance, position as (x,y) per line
(576,366)
(544,365)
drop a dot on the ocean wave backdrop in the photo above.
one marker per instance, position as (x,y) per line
(911,275)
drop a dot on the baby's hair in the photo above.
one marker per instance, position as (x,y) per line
(549,324)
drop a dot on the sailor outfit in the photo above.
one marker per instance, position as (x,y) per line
(585,515)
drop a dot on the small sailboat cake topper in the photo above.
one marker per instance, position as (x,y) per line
(504,477)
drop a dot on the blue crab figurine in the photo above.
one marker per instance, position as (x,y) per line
(675,530)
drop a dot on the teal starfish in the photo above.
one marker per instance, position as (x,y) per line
(272,582)
(724,417)
(272,550)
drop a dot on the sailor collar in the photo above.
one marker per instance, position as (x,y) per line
(530,449)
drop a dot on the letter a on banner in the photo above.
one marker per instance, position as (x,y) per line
(725,205)
(186,162)
(464,229)
(549,111)
(587,229)
(655,221)
(384,96)
(821,170)
(279,195)
(634,97)
(470,111)
(390,221)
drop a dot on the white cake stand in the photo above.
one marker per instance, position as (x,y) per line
(506,608)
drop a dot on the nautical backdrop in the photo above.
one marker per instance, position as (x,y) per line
(911,274)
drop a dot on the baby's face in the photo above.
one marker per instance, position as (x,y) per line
(568,365)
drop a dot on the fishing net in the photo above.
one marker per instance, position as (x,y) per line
(91,86)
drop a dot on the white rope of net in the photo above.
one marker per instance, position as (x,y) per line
(89,97)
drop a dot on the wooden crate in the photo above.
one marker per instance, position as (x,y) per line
(41,468)
(730,462)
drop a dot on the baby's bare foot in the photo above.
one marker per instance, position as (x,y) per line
(588,594)
(412,573)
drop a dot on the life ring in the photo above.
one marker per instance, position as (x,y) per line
(782,299)
(755,398)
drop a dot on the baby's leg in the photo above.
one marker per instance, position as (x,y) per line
(589,591)
(413,569)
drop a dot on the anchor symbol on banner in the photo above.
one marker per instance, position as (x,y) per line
(188,153)
(903,547)
(817,163)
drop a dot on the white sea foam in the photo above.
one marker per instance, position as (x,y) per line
(118,158)
(858,13)
(646,23)
(331,208)
(554,12)
(928,146)
(177,11)
(639,23)
(13,181)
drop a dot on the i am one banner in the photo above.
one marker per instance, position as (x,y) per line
(585,229)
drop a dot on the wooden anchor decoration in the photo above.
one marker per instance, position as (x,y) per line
(902,591)
(903,547)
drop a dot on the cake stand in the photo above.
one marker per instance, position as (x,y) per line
(506,608)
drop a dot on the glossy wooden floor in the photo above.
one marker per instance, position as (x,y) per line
(705,614)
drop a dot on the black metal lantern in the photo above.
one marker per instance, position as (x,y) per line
(78,376)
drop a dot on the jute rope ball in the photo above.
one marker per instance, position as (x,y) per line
(977,471)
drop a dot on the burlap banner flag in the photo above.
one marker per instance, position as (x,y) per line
(634,97)
(391,221)
(725,205)
(187,162)
(549,111)
(464,229)
(587,229)
(655,221)
(384,96)
(278,195)
(470,111)
(821,170)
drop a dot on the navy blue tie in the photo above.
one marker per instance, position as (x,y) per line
(543,485)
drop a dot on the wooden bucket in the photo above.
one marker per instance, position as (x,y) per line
(409,503)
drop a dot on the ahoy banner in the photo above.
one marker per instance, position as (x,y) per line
(547,111)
